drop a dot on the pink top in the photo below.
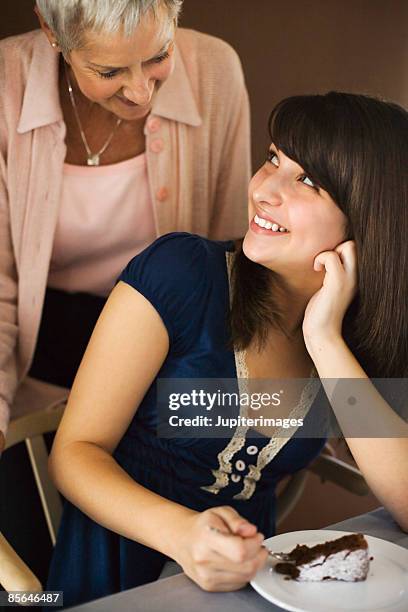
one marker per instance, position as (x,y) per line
(105,219)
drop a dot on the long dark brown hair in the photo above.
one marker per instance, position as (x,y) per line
(356,148)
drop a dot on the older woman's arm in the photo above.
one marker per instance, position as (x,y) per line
(8,313)
(8,286)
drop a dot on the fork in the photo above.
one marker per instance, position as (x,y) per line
(279,556)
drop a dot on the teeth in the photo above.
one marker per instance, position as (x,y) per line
(268,225)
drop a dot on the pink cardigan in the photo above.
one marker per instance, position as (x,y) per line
(202,166)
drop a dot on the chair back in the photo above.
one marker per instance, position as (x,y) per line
(30,429)
(38,410)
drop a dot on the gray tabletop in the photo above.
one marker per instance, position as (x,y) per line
(180,594)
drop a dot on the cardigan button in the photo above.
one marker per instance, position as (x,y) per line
(240,465)
(162,194)
(157,145)
(153,124)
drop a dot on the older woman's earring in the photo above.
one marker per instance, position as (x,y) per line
(54,45)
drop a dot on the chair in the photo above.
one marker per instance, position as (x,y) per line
(48,403)
(31,427)
(329,468)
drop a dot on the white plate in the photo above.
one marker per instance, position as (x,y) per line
(385,589)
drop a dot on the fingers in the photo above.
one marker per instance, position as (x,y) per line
(215,561)
(225,581)
(232,536)
(234,522)
(220,583)
(234,547)
(224,551)
(346,247)
(328,260)
(348,255)
(247,568)
(217,573)
(342,258)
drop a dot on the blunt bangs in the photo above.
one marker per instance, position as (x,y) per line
(312,131)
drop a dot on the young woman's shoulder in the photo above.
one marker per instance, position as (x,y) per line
(177,260)
(179,273)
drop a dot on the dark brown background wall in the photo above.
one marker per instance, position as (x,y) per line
(293,46)
(289,47)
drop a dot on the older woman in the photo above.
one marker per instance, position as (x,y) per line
(115,128)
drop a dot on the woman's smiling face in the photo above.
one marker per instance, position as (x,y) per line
(122,74)
(281,194)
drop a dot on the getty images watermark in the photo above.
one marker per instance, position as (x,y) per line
(214,401)
(190,408)
(197,408)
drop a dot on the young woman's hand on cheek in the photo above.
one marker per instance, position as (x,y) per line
(326,309)
(224,561)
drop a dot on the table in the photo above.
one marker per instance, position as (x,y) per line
(179,594)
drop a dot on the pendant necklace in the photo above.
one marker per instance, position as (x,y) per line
(93,159)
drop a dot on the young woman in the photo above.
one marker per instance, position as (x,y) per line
(333,191)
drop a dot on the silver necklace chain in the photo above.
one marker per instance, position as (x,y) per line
(93,159)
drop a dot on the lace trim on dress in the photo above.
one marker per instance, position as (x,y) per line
(282,436)
(238,439)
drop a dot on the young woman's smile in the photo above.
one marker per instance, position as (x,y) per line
(263,222)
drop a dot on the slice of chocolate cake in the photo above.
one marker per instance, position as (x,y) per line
(345,558)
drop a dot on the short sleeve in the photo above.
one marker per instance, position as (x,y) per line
(174,275)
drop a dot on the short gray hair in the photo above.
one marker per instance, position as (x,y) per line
(69,19)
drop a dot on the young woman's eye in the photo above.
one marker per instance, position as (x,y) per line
(108,75)
(161,58)
(306,180)
(273,158)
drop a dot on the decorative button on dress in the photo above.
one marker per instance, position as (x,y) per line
(186,279)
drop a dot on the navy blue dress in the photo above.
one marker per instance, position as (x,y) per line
(185,278)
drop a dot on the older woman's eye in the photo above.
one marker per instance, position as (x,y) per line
(273,158)
(161,58)
(108,75)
